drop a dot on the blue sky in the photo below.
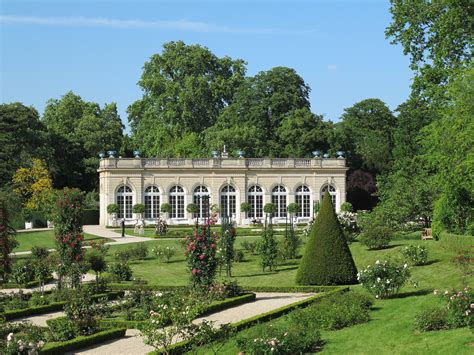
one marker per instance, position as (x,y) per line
(97,48)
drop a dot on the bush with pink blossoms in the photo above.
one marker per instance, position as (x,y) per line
(201,256)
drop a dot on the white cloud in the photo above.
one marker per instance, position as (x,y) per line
(183,25)
(332,67)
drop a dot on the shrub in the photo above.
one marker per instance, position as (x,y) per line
(62,329)
(120,271)
(7,240)
(431,319)
(192,208)
(139,251)
(415,254)
(96,262)
(239,256)
(113,208)
(376,237)
(39,252)
(138,208)
(327,259)
(245,207)
(226,244)
(165,254)
(464,262)
(165,208)
(384,278)
(346,207)
(268,249)
(123,255)
(23,272)
(250,247)
(38,299)
(458,306)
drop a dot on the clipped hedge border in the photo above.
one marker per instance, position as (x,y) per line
(291,289)
(212,308)
(52,307)
(62,347)
(185,345)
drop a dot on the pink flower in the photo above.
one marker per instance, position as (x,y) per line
(202,256)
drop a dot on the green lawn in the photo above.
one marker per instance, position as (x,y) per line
(391,330)
(27,240)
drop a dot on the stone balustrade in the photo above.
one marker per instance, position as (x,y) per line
(245,163)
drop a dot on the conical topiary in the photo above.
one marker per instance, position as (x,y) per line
(327,259)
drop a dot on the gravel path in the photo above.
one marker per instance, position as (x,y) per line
(40,320)
(132,343)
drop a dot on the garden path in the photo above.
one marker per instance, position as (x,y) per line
(132,343)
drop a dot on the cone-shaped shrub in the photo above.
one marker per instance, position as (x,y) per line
(327,259)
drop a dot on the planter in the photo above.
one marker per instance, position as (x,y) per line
(49,224)
(28,225)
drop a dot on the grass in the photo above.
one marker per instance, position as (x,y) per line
(391,330)
(27,240)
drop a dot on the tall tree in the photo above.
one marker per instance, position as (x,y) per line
(23,137)
(79,131)
(437,35)
(185,88)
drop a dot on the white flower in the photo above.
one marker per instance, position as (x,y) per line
(405,266)
(377,262)
(9,337)
(388,281)
(378,279)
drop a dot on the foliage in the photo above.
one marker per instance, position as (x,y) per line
(415,254)
(29,341)
(120,271)
(34,185)
(164,253)
(79,130)
(170,321)
(250,247)
(384,278)
(269,208)
(138,208)
(201,255)
(267,248)
(62,329)
(165,208)
(96,262)
(348,222)
(226,244)
(113,208)
(347,207)
(327,259)
(459,307)
(190,86)
(192,208)
(291,240)
(245,207)
(7,240)
(139,251)
(376,236)
(161,227)
(430,319)
(239,256)
(68,232)
(23,272)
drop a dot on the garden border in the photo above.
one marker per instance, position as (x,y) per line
(61,347)
(52,307)
(185,345)
(212,308)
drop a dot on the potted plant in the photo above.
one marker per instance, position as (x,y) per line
(139,210)
(166,208)
(193,209)
(269,210)
(28,218)
(113,209)
(245,207)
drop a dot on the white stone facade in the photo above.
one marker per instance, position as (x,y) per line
(228,182)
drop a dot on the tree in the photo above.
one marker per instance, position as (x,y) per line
(258,109)
(96,262)
(366,135)
(438,37)
(451,139)
(7,240)
(79,131)
(23,138)
(327,259)
(185,88)
(34,186)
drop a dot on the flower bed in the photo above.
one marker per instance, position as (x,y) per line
(62,347)
(52,307)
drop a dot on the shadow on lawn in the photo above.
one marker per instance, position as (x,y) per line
(434,261)
(411,294)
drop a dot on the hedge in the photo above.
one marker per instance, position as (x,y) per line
(91,216)
(52,307)
(291,289)
(455,242)
(212,308)
(185,345)
(62,347)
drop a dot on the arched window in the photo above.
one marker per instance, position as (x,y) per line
(279,200)
(303,199)
(255,199)
(152,202)
(332,193)
(228,201)
(201,203)
(177,202)
(124,199)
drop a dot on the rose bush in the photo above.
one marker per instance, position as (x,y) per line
(384,278)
